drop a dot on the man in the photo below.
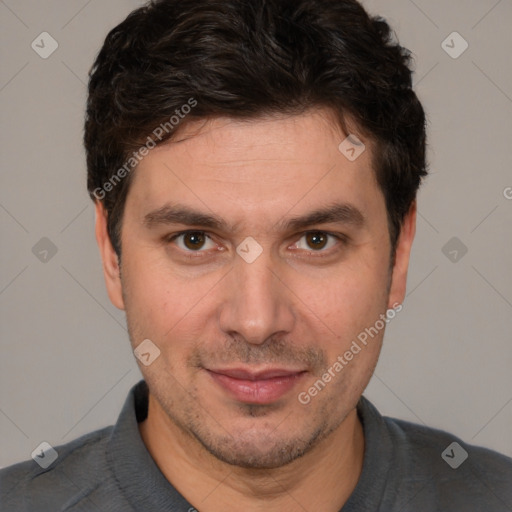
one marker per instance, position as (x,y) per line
(254,166)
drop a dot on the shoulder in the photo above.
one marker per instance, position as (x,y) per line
(79,469)
(458,474)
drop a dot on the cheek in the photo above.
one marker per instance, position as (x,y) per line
(163,306)
(345,299)
(149,294)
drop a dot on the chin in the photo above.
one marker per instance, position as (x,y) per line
(259,450)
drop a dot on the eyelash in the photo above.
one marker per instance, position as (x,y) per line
(316,254)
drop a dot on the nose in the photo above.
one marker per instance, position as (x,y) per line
(257,303)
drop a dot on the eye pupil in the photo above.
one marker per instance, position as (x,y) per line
(317,240)
(194,240)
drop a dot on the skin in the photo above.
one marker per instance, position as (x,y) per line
(205,307)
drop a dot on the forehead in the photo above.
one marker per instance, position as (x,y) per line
(314,135)
(257,165)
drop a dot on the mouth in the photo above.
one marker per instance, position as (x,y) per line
(256,387)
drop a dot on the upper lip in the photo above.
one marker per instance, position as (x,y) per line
(246,374)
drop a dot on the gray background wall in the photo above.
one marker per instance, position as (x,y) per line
(66,365)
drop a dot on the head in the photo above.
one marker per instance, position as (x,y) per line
(224,119)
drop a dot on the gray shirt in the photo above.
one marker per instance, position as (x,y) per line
(406,468)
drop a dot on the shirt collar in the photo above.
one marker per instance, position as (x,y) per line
(137,475)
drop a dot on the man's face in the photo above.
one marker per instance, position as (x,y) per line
(243,334)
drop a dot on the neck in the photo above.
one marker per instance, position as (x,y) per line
(323,479)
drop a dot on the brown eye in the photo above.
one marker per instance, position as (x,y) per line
(194,240)
(188,242)
(316,240)
(319,242)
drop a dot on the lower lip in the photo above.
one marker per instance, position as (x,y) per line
(263,391)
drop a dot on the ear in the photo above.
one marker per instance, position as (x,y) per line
(402,255)
(111,270)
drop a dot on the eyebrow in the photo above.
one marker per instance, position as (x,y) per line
(179,214)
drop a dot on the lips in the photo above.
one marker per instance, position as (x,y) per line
(256,387)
